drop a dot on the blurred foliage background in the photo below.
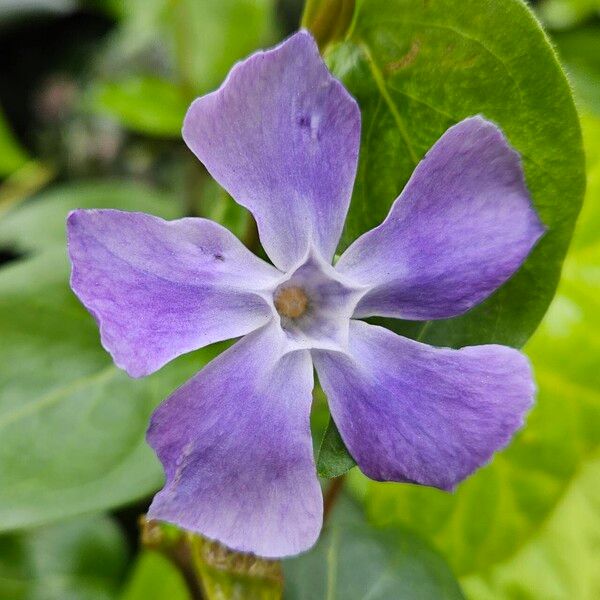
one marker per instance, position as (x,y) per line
(92,96)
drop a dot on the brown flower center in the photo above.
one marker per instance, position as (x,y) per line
(291,302)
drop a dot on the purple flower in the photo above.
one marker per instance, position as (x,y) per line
(281,136)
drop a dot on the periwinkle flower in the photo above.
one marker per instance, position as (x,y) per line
(281,136)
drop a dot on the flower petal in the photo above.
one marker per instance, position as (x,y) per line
(281,135)
(411,412)
(236,447)
(159,289)
(462,226)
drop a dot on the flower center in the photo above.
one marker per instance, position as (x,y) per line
(291,302)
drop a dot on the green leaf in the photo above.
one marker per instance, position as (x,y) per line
(580,52)
(81,559)
(416,68)
(12,155)
(353,561)
(40,222)
(501,508)
(333,459)
(72,425)
(144,104)
(154,577)
(201,40)
(561,560)
(561,14)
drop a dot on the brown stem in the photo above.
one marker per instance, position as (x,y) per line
(331,495)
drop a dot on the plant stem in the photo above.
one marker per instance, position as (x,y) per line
(174,547)
(332,495)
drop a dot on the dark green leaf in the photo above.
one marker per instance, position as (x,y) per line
(81,559)
(72,425)
(353,561)
(333,459)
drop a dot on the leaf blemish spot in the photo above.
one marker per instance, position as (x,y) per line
(405,61)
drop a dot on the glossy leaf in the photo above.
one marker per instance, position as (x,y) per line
(82,558)
(353,561)
(418,68)
(154,577)
(502,507)
(72,425)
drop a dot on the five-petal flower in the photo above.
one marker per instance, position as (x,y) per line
(281,136)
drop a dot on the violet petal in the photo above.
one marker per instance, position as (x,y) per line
(159,289)
(411,412)
(281,135)
(462,226)
(236,447)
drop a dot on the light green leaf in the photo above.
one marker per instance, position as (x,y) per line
(144,104)
(353,561)
(561,560)
(80,559)
(154,577)
(502,508)
(72,425)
